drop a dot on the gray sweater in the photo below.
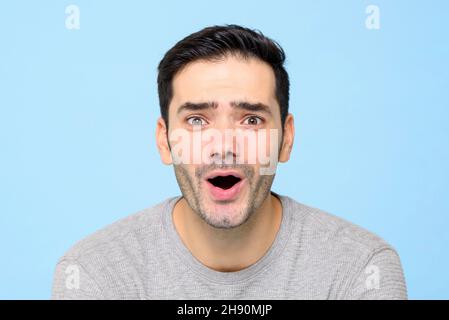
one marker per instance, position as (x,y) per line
(315,255)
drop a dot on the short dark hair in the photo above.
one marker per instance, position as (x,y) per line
(216,42)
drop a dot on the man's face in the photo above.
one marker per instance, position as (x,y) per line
(226,103)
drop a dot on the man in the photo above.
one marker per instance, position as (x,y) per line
(224,126)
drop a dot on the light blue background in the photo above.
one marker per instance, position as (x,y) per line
(79,107)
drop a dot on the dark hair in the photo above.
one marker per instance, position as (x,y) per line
(216,42)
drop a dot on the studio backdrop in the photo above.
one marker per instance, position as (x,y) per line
(78,109)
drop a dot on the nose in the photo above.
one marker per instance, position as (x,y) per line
(227,157)
(224,152)
(224,149)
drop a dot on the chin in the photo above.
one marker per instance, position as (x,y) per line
(226,218)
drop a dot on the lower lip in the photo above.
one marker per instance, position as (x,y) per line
(220,194)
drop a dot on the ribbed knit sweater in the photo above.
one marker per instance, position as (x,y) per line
(315,255)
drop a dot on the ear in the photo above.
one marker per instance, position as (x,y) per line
(162,142)
(289,135)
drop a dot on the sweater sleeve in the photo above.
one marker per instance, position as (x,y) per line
(71,281)
(380,278)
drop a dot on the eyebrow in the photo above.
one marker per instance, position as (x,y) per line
(242,105)
(191,106)
(254,107)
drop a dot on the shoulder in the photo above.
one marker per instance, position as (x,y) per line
(109,262)
(349,257)
(120,237)
(320,226)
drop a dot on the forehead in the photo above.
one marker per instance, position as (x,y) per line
(229,79)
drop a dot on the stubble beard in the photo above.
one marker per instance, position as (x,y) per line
(259,189)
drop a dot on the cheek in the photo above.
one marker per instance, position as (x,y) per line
(181,146)
(267,146)
(185,175)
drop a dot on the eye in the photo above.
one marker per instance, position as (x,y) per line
(253,121)
(196,121)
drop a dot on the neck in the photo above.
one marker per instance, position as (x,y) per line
(233,249)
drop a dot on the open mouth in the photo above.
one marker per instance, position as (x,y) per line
(225,186)
(224,182)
